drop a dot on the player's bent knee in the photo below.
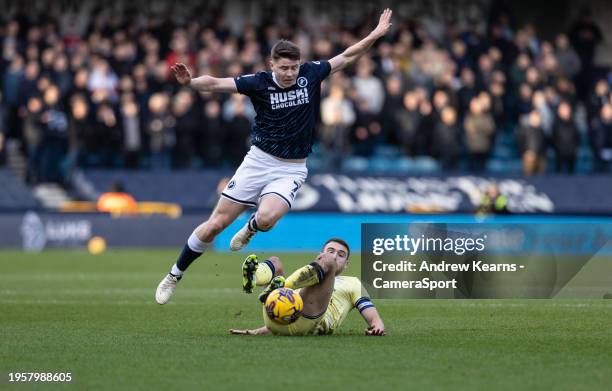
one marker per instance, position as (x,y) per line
(266,219)
(278,266)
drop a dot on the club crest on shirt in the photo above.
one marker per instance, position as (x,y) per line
(302,81)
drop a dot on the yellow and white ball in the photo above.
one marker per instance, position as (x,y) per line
(284,306)
(96,245)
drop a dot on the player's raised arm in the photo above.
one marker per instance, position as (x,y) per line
(350,55)
(203,83)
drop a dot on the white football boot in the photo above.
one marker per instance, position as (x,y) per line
(242,238)
(166,288)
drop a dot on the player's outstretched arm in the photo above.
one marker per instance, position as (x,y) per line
(260,331)
(203,83)
(351,54)
(376,327)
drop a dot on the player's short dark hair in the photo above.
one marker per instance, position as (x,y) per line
(285,49)
(342,242)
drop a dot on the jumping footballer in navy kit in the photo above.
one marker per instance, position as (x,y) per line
(287,103)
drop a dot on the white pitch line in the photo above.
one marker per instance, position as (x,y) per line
(75,276)
(116,291)
(88,303)
(469,303)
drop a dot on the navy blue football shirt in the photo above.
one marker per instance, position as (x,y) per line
(286,117)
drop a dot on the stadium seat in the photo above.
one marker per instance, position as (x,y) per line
(381,164)
(505,167)
(425,164)
(404,165)
(389,151)
(316,163)
(503,152)
(355,163)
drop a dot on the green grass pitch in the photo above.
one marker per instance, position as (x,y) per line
(94,316)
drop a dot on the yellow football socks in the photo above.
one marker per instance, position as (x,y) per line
(263,274)
(305,276)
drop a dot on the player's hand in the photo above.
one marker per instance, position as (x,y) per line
(241,332)
(384,23)
(322,257)
(181,73)
(375,331)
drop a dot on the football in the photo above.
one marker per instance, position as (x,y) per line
(284,306)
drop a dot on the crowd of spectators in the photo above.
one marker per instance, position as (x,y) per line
(99,93)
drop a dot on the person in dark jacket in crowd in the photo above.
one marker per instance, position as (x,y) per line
(565,139)
(479,131)
(445,139)
(408,119)
(533,144)
(602,139)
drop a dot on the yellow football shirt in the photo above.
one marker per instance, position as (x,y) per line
(348,294)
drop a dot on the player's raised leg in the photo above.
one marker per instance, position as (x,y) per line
(272,207)
(223,215)
(259,273)
(316,281)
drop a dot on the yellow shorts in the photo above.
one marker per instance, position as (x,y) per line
(303,326)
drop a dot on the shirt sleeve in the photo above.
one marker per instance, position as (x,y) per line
(247,84)
(359,296)
(321,69)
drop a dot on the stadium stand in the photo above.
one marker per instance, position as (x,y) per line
(15,195)
(90,88)
(145,186)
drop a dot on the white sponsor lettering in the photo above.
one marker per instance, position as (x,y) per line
(281,100)
(374,194)
(306,198)
(76,230)
(37,234)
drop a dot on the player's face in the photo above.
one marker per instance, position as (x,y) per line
(286,71)
(339,254)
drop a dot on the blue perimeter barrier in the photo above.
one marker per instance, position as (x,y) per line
(300,232)
(296,232)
